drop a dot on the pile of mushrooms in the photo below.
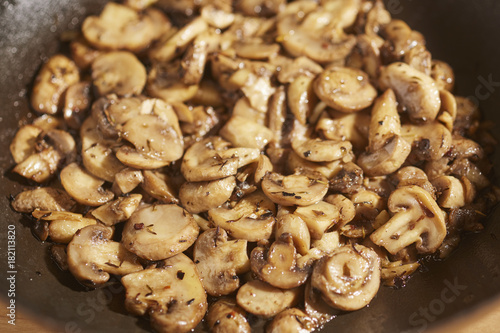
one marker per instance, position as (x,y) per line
(284,159)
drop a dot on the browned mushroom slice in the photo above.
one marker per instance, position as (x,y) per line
(219,261)
(54,78)
(170,292)
(316,307)
(212,159)
(44,198)
(291,320)
(201,196)
(301,97)
(349,278)
(159,231)
(139,5)
(120,27)
(345,89)
(319,217)
(127,180)
(297,228)
(305,29)
(217,17)
(450,192)
(24,143)
(256,135)
(399,40)
(417,219)
(194,60)
(302,188)
(92,256)
(262,299)
(62,226)
(82,53)
(419,58)
(278,264)
(415,90)
(100,160)
(448,112)
(429,141)
(118,72)
(160,186)
(443,74)
(300,66)
(164,82)
(226,316)
(252,218)
(118,210)
(352,127)
(77,101)
(84,187)
(411,175)
(39,167)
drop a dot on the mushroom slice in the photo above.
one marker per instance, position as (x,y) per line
(120,27)
(62,226)
(317,150)
(443,74)
(159,231)
(153,137)
(44,198)
(300,66)
(226,316)
(448,112)
(256,135)
(291,320)
(24,143)
(201,196)
(430,141)
(195,58)
(387,159)
(118,210)
(165,82)
(118,72)
(252,218)
(216,17)
(417,219)
(159,186)
(212,159)
(349,278)
(301,97)
(84,187)
(92,256)
(54,78)
(278,265)
(297,228)
(345,89)
(302,188)
(170,292)
(219,261)
(316,307)
(100,160)
(41,166)
(416,91)
(450,192)
(127,180)
(82,53)
(319,217)
(262,299)
(304,29)
(411,175)
(352,127)
(77,101)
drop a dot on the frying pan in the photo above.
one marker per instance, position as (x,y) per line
(462,32)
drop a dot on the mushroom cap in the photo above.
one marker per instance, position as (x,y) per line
(349,278)
(23,144)
(92,256)
(84,187)
(291,320)
(159,231)
(417,219)
(226,316)
(345,89)
(219,261)
(170,292)
(44,198)
(387,159)
(200,197)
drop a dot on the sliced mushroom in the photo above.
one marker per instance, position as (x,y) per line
(443,74)
(262,299)
(62,226)
(159,231)
(411,175)
(92,256)
(278,264)
(291,320)
(202,196)
(212,159)
(400,39)
(450,192)
(54,78)
(419,58)
(217,17)
(300,66)
(301,97)
(118,210)
(226,316)
(41,166)
(99,159)
(305,29)
(127,180)
(77,100)
(165,82)
(319,217)
(118,72)
(84,187)
(345,89)
(256,135)
(119,27)
(194,60)
(417,219)
(160,186)
(349,278)
(302,188)
(429,141)
(83,53)
(416,91)
(352,127)
(24,143)
(44,198)
(170,292)
(297,228)
(219,261)
(252,218)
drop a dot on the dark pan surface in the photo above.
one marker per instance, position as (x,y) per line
(462,32)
